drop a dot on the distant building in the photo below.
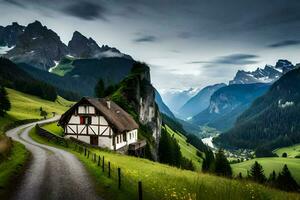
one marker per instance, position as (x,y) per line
(103,123)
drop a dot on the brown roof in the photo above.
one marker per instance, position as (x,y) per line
(115,115)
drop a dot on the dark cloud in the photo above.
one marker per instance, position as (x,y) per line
(284,43)
(15,3)
(146,38)
(86,10)
(233,59)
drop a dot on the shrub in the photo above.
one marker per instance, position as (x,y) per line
(284,155)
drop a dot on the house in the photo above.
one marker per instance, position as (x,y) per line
(101,122)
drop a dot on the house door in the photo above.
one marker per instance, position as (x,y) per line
(94,140)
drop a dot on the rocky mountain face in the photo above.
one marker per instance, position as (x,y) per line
(272,120)
(137,96)
(38,46)
(163,108)
(10,33)
(268,74)
(227,103)
(199,102)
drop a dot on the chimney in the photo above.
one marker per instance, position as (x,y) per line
(108,104)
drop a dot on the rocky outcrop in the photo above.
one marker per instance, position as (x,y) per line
(10,33)
(137,96)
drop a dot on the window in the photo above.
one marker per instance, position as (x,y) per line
(117,139)
(85,120)
(124,137)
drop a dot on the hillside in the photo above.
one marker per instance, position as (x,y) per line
(199,102)
(165,182)
(292,151)
(273,119)
(270,164)
(227,103)
(27,107)
(188,151)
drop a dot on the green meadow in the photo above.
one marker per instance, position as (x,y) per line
(291,151)
(270,164)
(162,181)
(27,107)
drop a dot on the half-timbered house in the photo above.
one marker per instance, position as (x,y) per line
(100,122)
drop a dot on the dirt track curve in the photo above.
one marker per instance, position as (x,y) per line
(52,174)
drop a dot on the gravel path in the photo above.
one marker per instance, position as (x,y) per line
(52,173)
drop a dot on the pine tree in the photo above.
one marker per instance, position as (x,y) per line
(208,161)
(4,101)
(257,173)
(222,166)
(285,180)
(272,179)
(100,89)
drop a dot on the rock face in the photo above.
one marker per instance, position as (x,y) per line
(227,103)
(137,96)
(10,33)
(199,102)
(268,74)
(38,46)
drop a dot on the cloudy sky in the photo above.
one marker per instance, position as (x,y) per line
(186,43)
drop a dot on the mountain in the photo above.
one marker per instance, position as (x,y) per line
(85,74)
(227,103)
(176,99)
(268,74)
(38,46)
(199,102)
(272,120)
(82,47)
(163,108)
(136,95)
(9,34)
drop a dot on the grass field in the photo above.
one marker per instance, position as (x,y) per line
(164,182)
(188,151)
(12,167)
(53,128)
(24,107)
(291,151)
(270,164)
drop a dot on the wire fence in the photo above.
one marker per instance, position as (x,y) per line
(121,178)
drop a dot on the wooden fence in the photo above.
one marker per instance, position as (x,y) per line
(51,136)
(105,166)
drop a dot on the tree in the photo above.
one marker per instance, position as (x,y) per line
(4,101)
(272,179)
(100,89)
(285,180)
(43,113)
(284,155)
(257,173)
(208,161)
(222,166)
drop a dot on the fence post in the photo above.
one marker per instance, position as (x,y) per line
(103,164)
(108,169)
(98,160)
(119,177)
(88,154)
(84,151)
(140,189)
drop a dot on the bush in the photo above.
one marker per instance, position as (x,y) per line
(284,155)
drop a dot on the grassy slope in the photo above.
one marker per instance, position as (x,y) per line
(291,151)
(165,182)
(12,167)
(188,151)
(270,164)
(24,106)
(53,128)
